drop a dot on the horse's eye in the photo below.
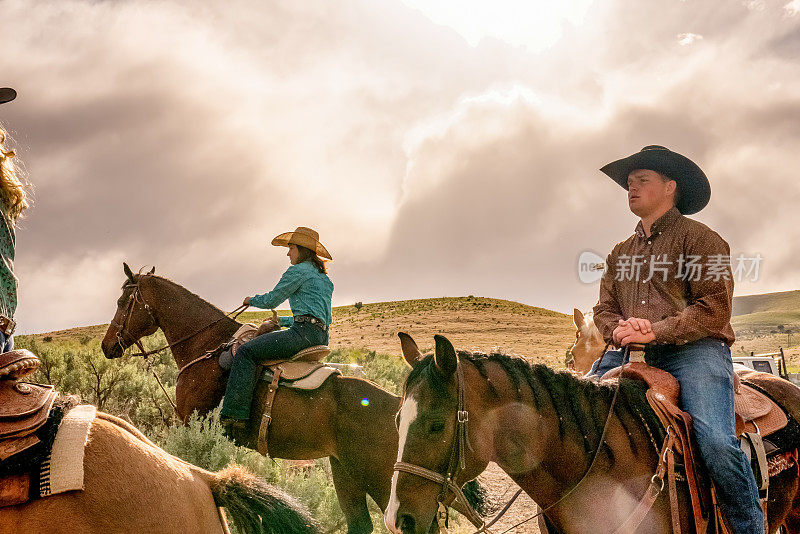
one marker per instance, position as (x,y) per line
(436,427)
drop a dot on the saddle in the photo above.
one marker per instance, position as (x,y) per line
(24,408)
(757,416)
(303,366)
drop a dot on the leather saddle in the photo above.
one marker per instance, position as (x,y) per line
(305,365)
(756,416)
(298,366)
(24,408)
(755,412)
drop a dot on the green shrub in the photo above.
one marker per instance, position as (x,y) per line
(202,443)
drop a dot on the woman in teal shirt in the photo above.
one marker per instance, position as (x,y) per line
(309,290)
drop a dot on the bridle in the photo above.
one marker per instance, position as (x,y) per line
(136,297)
(457,463)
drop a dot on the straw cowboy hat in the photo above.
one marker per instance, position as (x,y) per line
(7,94)
(304,237)
(695,191)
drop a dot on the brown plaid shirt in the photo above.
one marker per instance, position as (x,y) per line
(679,279)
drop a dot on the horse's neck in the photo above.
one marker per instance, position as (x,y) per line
(185,316)
(547,455)
(529,440)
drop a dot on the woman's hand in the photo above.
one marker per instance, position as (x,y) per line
(246,301)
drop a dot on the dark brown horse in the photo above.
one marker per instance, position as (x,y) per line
(543,427)
(359,438)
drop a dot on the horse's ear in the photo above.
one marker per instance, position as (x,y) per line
(411,353)
(577,317)
(128,271)
(445,357)
(153,270)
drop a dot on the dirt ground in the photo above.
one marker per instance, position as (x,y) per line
(502,488)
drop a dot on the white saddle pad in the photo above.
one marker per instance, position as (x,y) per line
(63,469)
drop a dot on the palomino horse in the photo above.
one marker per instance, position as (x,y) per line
(544,428)
(131,485)
(589,343)
(358,437)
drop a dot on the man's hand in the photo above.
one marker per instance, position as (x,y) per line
(246,301)
(640,325)
(632,326)
(638,337)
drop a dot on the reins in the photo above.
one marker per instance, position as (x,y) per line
(136,297)
(457,462)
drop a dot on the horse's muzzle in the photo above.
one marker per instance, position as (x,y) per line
(112,350)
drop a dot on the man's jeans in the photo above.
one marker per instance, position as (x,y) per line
(272,346)
(704,370)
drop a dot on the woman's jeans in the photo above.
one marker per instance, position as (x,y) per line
(276,345)
(704,370)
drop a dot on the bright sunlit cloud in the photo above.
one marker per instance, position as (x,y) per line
(534,24)
(688,38)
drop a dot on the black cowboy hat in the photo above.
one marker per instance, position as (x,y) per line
(695,191)
(7,94)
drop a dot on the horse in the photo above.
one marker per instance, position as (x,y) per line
(552,432)
(132,485)
(588,344)
(359,438)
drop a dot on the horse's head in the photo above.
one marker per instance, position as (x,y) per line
(133,320)
(589,342)
(428,425)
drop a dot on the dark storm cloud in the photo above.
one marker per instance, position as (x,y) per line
(185,135)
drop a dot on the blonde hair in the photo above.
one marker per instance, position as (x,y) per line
(13,186)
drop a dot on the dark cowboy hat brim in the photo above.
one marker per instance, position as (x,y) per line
(7,94)
(695,191)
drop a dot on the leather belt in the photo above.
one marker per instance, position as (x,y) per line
(7,325)
(319,323)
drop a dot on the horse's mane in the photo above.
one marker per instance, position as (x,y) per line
(581,404)
(179,287)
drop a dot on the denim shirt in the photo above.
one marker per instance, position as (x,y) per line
(308,290)
(8,281)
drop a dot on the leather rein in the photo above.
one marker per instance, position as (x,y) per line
(458,462)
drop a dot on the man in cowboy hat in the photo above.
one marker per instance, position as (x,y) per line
(670,286)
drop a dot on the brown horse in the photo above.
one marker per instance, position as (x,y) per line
(543,427)
(131,485)
(359,438)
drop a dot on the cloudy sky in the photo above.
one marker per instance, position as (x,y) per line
(440,147)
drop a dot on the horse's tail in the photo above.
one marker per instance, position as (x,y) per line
(257,507)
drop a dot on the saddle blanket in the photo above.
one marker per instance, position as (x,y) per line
(62,470)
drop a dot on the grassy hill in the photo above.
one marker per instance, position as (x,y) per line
(762,323)
(471,323)
(784,301)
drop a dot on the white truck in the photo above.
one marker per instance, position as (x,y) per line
(770,362)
